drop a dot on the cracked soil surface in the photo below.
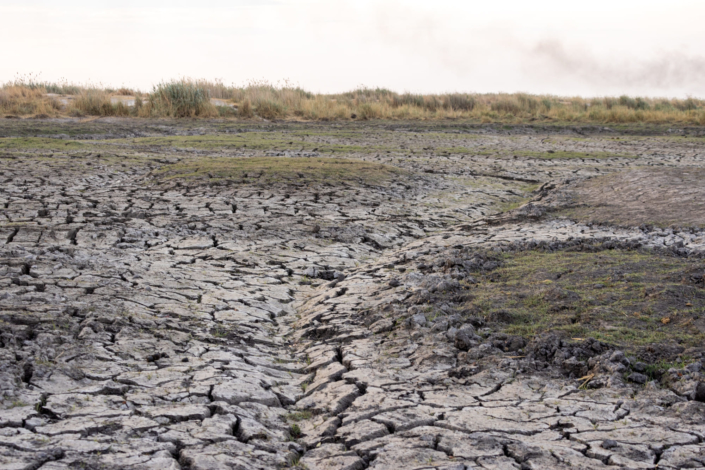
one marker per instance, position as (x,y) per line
(216,295)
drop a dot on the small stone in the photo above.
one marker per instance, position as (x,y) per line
(694,367)
(616,368)
(609,444)
(418,320)
(32,423)
(465,338)
(700,392)
(637,378)
(652,386)
(618,356)
(639,366)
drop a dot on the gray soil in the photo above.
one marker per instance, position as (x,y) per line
(152,318)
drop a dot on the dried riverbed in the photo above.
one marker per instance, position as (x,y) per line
(217,295)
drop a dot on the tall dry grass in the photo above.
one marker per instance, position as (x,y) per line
(34,82)
(284,101)
(94,102)
(23,101)
(262,99)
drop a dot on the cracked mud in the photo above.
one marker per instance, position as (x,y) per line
(211,295)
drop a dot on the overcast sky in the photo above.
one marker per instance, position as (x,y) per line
(596,47)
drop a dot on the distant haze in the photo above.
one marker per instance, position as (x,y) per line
(595,48)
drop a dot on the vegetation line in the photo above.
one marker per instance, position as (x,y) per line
(263,100)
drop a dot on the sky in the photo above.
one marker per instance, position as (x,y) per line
(559,47)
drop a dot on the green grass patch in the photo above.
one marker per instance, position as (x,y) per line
(297,416)
(630,299)
(281,170)
(264,141)
(39,143)
(295,431)
(655,370)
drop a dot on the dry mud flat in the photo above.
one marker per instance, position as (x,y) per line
(219,296)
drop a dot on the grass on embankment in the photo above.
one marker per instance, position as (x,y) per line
(191,98)
(276,170)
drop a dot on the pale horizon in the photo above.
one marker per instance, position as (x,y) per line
(607,48)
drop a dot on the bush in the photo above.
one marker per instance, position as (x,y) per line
(407,99)
(91,102)
(21,100)
(180,98)
(459,102)
(368,111)
(528,103)
(664,105)
(98,103)
(627,102)
(641,104)
(124,91)
(506,106)
(226,111)
(270,109)
(687,105)
(245,109)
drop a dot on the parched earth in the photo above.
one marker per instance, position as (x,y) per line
(219,295)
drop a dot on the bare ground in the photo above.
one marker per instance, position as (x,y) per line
(206,295)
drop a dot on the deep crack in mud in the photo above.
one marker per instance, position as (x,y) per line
(375,296)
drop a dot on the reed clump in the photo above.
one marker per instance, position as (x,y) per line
(179,99)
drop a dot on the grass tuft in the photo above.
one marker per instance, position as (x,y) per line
(299,416)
